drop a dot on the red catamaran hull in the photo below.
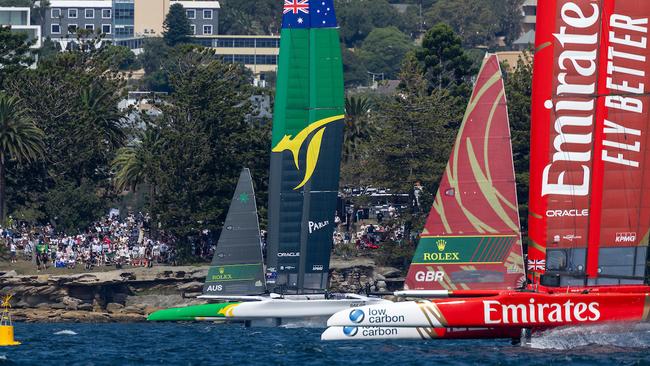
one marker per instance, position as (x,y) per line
(509,311)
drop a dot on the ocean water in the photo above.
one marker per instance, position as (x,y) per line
(218,344)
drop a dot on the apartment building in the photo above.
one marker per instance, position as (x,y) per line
(65,17)
(130,22)
(258,53)
(124,19)
(150,15)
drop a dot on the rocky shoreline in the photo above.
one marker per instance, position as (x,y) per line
(130,294)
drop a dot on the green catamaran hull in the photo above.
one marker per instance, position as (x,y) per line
(205,312)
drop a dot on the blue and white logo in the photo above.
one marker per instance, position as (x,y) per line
(357,316)
(350,331)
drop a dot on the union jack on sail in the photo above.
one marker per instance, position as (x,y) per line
(536,265)
(296,6)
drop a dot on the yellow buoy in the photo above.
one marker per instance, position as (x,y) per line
(6,327)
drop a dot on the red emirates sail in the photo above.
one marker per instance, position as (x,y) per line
(589,196)
(472,236)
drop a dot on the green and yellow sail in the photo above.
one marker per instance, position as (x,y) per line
(306,151)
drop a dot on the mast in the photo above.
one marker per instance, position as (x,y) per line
(237,266)
(539,139)
(306,148)
(472,236)
(590,200)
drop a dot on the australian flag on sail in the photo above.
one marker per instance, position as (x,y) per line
(309,14)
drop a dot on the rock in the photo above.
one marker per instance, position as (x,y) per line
(193,286)
(95,317)
(120,298)
(9,274)
(58,306)
(120,295)
(128,276)
(149,309)
(351,263)
(114,308)
(388,272)
(71,303)
(85,307)
(134,310)
(127,318)
(71,315)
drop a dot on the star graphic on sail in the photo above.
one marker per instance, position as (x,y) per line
(243,198)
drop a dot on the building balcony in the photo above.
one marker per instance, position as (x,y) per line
(530,19)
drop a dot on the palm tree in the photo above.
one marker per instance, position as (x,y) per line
(134,164)
(20,140)
(358,125)
(103,119)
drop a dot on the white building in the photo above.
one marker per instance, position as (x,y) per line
(529,12)
(19,21)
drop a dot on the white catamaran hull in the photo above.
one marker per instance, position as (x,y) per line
(288,308)
(375,333)
(349,333)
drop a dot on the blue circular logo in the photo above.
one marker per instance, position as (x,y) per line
(350,331)
(357,316)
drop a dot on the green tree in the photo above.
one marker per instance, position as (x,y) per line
(155,53)
(15,53)
(510,18)
(250,17)
(133,163)
(444,62)
(358,125)
(176,26)
(384,49)
(236,21)
(73,98)
(20,140)
(16,3)
(49,50)
(415,136)
(357,18)
(355,72)
(474,20)
(118,58)
(73,208)
(207,142)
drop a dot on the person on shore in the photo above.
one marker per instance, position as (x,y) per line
(41,254)
(12,251)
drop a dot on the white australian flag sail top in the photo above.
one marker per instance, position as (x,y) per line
(309,14)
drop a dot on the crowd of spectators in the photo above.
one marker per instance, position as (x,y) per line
(369,236)
(366,233)
(114,240)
